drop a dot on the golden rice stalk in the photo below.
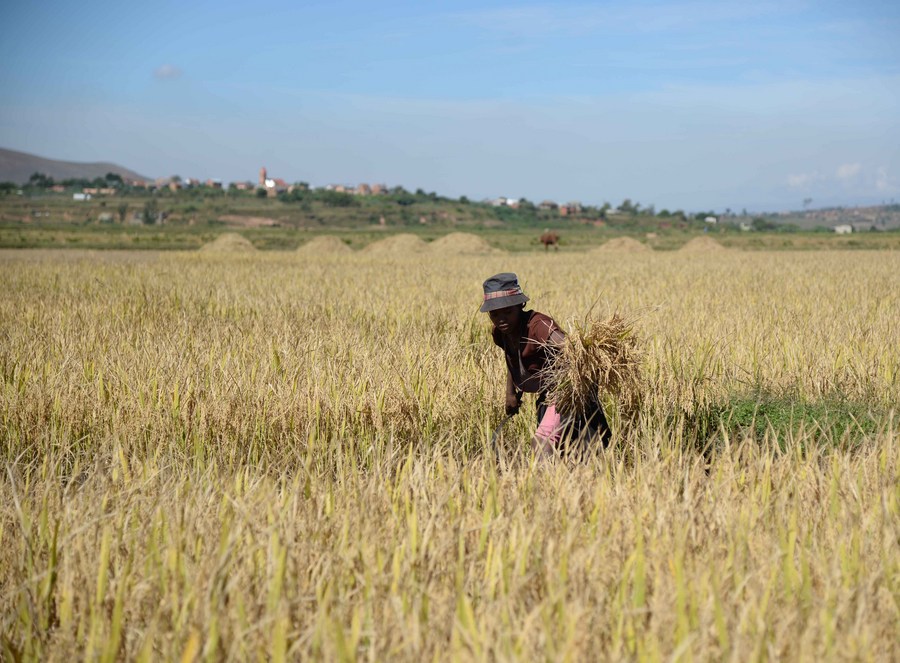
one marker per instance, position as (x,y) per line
(599,361)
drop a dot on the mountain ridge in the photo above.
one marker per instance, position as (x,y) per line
(18,167)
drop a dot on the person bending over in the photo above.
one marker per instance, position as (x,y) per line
(528,339)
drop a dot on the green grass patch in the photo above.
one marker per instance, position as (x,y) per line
(830,420)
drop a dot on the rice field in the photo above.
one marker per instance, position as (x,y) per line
(269,456)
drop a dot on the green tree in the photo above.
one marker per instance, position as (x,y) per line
(293,196)
(761,224)
(338,199)
(40,180)
(150,213)
(123,211)
(627,207)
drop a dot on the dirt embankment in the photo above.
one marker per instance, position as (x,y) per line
(237,221)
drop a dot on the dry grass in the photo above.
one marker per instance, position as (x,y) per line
(197,464)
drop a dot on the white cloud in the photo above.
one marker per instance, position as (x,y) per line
(802,180)
(166,72)
(884,183)
(848,171)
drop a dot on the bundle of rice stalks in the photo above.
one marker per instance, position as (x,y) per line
(599,361)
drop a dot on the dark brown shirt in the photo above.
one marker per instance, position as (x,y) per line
(532,357)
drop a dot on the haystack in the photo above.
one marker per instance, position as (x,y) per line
(324,244)
(462,243)
(401,244)
(228,243)
(702,244)
(622,245)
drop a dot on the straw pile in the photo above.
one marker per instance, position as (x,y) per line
(598,361)
(702,244)
(327,244)
(462,243)
(622,245)
(228,243)
(398,244)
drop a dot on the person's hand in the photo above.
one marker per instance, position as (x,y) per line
(512,404)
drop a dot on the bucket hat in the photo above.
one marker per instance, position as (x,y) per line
(502,290)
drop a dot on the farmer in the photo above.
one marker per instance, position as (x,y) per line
(528,339)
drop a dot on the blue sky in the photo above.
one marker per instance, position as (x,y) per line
(687,104)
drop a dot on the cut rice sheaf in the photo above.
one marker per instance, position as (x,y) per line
(599,361)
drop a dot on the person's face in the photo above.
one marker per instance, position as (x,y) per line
(506,319)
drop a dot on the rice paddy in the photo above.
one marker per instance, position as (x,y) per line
(271,456)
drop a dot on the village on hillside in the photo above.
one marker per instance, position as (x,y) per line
(840,220)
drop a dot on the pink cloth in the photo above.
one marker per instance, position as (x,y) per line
(550,429)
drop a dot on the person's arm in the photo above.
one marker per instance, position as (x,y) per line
(513,397)
(556,337)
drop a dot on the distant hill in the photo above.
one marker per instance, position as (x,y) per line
(19,166)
